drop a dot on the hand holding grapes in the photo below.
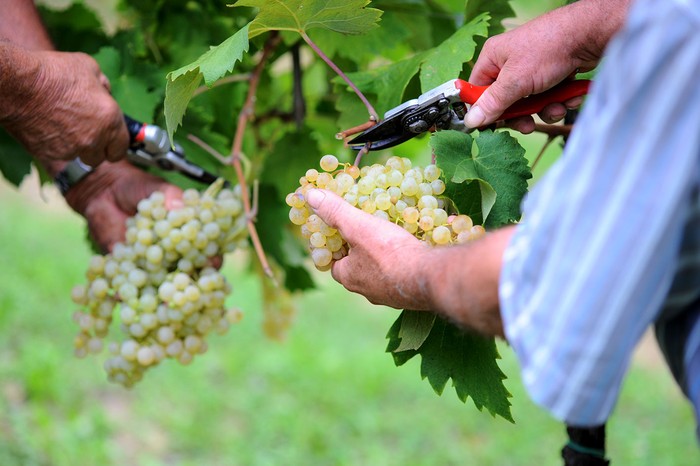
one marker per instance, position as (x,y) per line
(382,257)
(109,195)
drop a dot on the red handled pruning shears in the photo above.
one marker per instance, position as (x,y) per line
(445,106)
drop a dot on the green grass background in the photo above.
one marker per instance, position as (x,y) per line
(329,395)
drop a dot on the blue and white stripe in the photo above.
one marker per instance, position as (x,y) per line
(604,233)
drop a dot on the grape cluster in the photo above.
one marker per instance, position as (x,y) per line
(396,191)
(159,284)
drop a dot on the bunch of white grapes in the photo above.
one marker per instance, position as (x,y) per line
(396,191)
(160,284)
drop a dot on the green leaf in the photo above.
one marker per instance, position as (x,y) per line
(498,11)
(415,328)
(212,65)
(450,149)
(445,61)
(387,82)
(495,161)
(467,358)
(436,67)
(344,16)
(292,155)
(365,48)
(15,161)
(135,95)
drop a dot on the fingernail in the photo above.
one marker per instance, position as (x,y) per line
(174,204)
(314,197)
(474,118)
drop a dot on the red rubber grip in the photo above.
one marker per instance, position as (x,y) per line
(530,105)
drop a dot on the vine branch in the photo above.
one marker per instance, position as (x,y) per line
(370,109)
(244,117)
(553,130)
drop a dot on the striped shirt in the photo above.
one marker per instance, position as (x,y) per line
(609,243)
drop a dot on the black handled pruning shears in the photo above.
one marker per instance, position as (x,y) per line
(150,147)
(445,106)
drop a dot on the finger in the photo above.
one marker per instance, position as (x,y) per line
(106,224)
(339,214)
(524,124)
(173,196)
(493,102)
(553,112)
(574,102)
(338,270)
(104,80)
(118,144)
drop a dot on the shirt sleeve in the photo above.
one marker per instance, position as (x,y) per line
(591,262)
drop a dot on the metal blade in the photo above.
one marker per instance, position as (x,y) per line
(387,133)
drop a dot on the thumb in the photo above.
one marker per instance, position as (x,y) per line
(339,214)
(493,102)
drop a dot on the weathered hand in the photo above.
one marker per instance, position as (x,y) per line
(538,55)
(62,109)
(109,195)
(384,262)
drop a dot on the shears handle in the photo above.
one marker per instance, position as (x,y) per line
(530,105)
(137,130)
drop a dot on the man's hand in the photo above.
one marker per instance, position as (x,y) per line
(538,55)
(109,195)
(59,107)
(385,263)
(389,266)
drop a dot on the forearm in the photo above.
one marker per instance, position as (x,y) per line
(19,70)
(21,31)
(463,281)
(21,24)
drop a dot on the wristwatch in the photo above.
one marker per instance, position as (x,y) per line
(72,173)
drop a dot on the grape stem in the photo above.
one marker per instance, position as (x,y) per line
(370,109)
(244,117)
(541,153)
(360,154)
(210,150)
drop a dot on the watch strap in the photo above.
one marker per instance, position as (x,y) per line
(72,173)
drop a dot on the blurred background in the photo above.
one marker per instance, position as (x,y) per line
(327,395)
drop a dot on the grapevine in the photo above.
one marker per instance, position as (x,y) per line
(396,191)
(161,281)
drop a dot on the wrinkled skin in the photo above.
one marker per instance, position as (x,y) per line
(541,53)
(62,109)
(389,266)
(109,195)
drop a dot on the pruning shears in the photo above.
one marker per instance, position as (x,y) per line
(150,147)
(445,106)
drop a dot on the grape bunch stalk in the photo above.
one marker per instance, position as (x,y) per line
(396,191)
(160,283)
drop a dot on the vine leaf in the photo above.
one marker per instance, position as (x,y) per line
(445,61)
(496,161)
(343,16)
(436,66)
(498,10)
(415,328)
(214,64)
(134,93)
(467,358)
(15,161)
